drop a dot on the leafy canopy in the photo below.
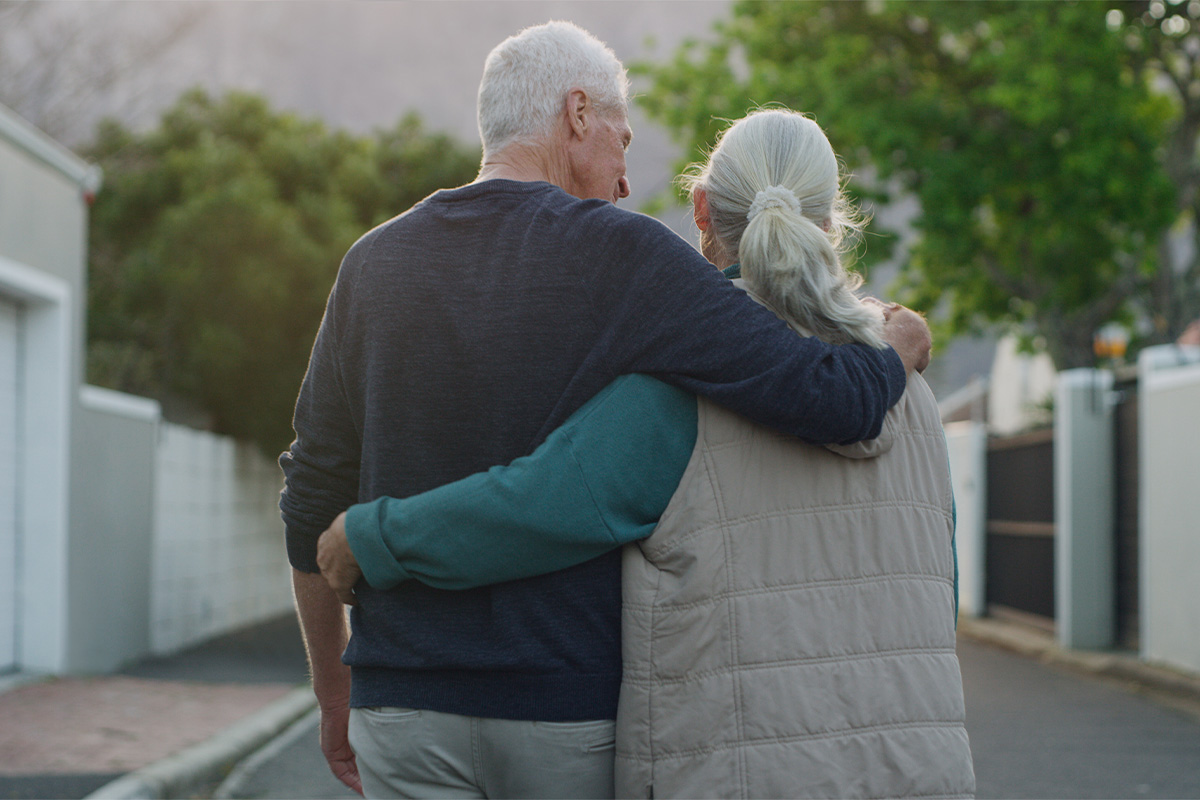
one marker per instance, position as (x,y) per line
(1162,42)
(216,239)
(1031,146)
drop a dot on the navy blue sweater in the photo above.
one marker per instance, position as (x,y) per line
(458,336)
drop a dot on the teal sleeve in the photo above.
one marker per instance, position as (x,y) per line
(954,553)
(601,480)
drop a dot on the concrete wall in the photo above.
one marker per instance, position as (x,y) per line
(112,506)
(1169,432)
(219,558)
(176,535)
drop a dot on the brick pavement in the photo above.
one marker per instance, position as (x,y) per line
(64,737)
(116,724)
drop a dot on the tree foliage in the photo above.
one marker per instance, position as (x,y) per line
(1162,40)
(1034,148)
(215,241)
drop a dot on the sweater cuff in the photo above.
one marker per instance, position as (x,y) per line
(301,545)
(364,532)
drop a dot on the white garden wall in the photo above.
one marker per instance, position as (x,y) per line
(175,536)
(218,561)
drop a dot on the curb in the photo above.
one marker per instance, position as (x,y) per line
(1023,640)
(181,774)
(235,783)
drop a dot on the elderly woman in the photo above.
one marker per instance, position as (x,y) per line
(788,610)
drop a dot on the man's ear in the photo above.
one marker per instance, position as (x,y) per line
(700,209)
(578,110)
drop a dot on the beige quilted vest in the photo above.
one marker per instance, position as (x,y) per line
(788,629)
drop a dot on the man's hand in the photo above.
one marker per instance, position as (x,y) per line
(323,622)
(908,334)
(335,744)
(338,565)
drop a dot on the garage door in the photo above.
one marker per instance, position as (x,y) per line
(10,319)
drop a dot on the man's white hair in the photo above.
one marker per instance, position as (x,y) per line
(527,77)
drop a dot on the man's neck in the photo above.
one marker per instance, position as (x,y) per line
(522,163)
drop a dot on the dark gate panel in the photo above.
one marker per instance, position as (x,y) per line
(1125,418)
(1020,529)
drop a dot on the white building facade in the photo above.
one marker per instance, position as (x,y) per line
(121,535)
(44,191)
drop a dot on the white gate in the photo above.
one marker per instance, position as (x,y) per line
(10,319)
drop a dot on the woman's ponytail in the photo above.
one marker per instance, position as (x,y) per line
(775,201)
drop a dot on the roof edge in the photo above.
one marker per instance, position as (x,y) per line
(41,146)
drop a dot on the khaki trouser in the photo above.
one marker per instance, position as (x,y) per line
(428,754)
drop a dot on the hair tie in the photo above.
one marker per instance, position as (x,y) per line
(774,197)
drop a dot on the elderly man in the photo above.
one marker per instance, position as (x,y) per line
(457,336)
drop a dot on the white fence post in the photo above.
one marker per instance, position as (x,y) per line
(1169,500)
(967,444)
(1084,510)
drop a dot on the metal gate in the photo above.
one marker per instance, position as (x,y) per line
(1020,526)
(1125,420)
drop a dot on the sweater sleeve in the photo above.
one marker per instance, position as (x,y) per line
(600,480)
(321,468)
(673,315)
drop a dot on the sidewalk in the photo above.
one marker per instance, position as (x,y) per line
(170,726)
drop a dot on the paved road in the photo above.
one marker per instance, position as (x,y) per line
(1036,731)
(1040,731)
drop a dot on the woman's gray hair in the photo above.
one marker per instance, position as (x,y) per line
(775,202)
(527,77)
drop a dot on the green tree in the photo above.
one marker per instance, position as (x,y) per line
(1033,147)
(215,241)
(1162,40)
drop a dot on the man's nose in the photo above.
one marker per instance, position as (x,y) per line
(623,187)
